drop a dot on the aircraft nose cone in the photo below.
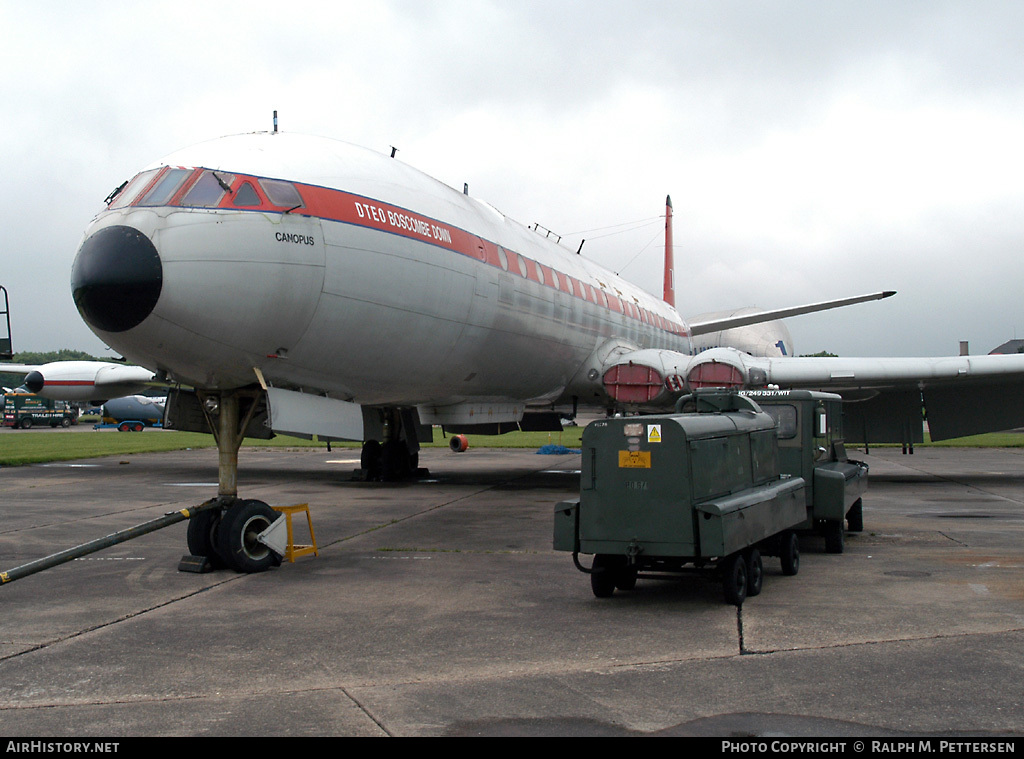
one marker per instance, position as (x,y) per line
(116,278)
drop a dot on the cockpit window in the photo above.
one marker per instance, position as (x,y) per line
(134,189)
(165,188)
(281,193)
(245,195)
(208,189)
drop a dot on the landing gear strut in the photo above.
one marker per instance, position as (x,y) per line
(227,536)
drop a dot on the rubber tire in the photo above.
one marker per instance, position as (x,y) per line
(755,572)
(855,517)
(789,553)
(625,578)
(835,537)
(236,537)
(202,537)
(396,462)
(65,422)
(26,423)
(734,579)
(602,576)
(370,460)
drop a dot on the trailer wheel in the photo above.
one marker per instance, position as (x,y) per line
(602,576)
(26,423)
(835,537)
(790,554)
(236,537)
(734,579)
(855,517)
(755,572)
(625,578)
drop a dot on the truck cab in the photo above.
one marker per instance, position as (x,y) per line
(810,433)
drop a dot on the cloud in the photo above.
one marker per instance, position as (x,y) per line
(813,150)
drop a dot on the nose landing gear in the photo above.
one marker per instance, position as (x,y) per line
(228,536)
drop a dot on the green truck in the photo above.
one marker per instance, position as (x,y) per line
(810,433)
(708,490)
(24,410)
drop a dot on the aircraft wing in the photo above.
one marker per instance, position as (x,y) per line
(959,395)
(887,400)
(701,325)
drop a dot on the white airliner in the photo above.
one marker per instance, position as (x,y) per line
(306,286)
(82,380)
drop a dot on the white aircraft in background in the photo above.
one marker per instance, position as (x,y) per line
(94,381)
(305,286)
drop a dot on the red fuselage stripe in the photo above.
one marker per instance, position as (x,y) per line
(336,205)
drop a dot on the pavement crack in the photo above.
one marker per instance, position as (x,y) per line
(739,629)
(110,623)
(369,715)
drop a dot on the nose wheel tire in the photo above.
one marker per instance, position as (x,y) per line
(202,537)
(237,537)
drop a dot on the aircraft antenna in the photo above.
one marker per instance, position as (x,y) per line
(275,122)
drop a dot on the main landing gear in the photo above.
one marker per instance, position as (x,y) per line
(225,532)
(397,457)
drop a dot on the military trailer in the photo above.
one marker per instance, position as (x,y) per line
(810,432)
(664,494)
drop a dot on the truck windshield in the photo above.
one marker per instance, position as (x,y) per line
(785,419)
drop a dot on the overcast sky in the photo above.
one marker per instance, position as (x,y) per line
(813,150)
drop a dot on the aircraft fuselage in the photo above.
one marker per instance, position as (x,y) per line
(338,270)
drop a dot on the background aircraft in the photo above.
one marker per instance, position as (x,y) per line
(94,381)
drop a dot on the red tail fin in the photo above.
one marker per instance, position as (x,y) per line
(670,273)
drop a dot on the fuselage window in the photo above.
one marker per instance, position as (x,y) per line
(503,259)
(208,190)
(245,195)
(281,193)
(134,189)
(524,271)
(165,188)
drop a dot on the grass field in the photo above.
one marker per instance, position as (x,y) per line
(18,448)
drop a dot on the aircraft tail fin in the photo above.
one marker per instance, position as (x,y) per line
(670,274)
(6,350)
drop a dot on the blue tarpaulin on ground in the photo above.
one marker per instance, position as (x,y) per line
(554,450)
